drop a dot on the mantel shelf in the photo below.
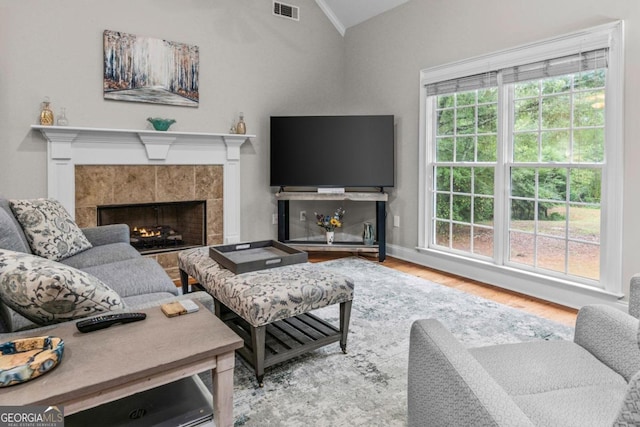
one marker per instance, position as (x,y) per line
(156,143)
(60,130)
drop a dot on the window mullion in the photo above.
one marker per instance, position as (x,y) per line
(430,158)
(502,182)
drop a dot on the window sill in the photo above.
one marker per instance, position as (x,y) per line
(559,291)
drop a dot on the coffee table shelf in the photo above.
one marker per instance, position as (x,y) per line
(284,339)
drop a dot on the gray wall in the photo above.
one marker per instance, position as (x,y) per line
(250,61)
(385,55)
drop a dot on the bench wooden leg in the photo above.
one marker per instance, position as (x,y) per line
(217,308)
(184,281)
(345,316)
(258,341)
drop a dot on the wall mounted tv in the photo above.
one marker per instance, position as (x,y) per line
(332,151)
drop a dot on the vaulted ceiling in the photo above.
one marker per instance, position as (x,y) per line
(347,13)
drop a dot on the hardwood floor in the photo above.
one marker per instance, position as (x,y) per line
(549,310)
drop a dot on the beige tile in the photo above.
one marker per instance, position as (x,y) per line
(215,239)
(175,183)
(86,217)
(215,219)
(209,184)
(168,259)
(94,185)
(174,274)
(169,262)
(135,184)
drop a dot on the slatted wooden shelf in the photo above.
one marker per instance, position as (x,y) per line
(285,339)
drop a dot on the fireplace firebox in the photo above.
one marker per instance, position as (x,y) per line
(160,226)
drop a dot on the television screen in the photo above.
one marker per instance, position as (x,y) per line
(332,151)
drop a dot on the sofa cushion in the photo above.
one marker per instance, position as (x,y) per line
(9,234)
(99,255)
(47,292)
(542,366)
(6,206)
(591,406)
(50,230)
(124,277)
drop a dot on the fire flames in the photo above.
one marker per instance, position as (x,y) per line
(143,232)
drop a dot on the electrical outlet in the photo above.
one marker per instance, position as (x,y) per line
(396,220)
(303,215)
(274,219)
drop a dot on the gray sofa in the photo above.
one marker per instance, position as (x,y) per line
(141,282)
(590,381)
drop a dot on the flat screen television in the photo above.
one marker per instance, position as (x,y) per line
(332,151)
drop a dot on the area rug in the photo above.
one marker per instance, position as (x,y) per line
(368,385)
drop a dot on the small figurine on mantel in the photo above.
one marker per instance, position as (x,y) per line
(46,115)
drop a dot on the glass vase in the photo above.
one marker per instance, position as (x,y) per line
(368,237)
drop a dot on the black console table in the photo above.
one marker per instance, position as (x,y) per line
(380,199)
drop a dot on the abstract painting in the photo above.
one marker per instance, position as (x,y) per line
(144,69)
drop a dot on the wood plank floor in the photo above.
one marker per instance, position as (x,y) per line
(549,310)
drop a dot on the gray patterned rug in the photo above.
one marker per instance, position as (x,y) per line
(367,386)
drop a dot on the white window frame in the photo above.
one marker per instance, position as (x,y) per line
(604,36)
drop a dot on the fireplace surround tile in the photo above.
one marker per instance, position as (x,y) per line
(94,185)
(87,216)
(209,182)
(134,184)
(175,182)
(214,221)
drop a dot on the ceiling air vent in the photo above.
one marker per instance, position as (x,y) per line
(286,10)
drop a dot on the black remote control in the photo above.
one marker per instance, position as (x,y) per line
(101,322)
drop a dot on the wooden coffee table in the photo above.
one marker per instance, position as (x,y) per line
(106,365)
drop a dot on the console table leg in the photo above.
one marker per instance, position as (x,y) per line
(345,316)
(223,390)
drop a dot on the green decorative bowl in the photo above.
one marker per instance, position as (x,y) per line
(160,124)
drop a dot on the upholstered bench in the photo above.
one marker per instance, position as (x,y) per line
(270,308)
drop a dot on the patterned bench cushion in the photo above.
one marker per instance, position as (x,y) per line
(265,296)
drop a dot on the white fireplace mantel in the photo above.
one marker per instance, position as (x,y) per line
(69,146)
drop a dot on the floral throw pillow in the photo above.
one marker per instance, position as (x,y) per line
(50,230)
(47,292)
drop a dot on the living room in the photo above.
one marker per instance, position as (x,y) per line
(262,65)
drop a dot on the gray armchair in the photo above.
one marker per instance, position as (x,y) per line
(591,381)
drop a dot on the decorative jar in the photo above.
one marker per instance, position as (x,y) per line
(46,115)
(241,127)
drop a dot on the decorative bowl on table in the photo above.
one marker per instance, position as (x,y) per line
(27,358)
(160,124)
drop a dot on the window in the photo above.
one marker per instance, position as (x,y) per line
(521,162)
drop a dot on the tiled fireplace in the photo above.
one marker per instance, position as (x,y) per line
(89,168)
(120,186)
